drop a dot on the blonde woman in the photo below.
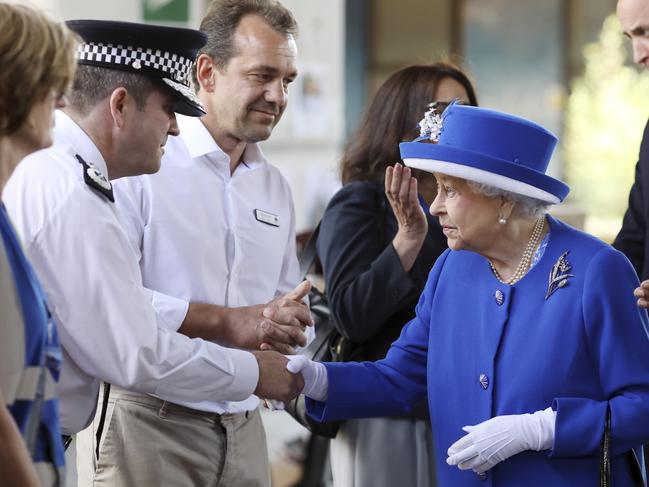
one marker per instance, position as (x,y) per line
(37,59)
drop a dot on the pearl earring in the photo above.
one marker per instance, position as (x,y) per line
(502,220)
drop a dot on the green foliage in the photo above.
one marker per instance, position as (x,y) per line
(606,114)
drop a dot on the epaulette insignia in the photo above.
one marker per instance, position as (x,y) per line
(95,179)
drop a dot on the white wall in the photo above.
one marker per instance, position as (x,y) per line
(306,144)
(128,10)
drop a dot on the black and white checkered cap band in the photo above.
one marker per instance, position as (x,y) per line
(177,67)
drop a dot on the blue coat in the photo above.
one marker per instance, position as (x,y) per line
(478,357)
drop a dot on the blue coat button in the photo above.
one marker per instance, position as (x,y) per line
(499,297)
(482,476)
(484,381)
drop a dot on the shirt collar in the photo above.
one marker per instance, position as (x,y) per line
(68,131)
(200,143)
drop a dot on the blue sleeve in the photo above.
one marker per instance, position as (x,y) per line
(617,339)
(390,386)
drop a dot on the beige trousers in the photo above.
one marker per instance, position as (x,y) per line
(148,442)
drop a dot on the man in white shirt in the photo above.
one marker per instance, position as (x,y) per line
(214,226)
(131,80)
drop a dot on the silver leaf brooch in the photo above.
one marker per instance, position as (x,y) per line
(559,275)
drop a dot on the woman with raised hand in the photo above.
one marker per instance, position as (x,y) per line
(527,340)
(38,64)
(376,255)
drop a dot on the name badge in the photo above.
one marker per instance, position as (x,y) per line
(267,218)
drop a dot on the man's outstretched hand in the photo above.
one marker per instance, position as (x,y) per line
(275,381)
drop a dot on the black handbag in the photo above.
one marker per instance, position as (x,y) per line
(605,458)
(328,346)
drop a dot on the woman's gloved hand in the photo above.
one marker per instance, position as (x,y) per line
(316,383)
(499,438)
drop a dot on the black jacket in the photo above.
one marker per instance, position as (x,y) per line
(633,240)
(370,296)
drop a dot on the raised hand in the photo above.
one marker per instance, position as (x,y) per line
(275,381)
(401,191)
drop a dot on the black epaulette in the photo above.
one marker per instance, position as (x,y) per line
(95,179)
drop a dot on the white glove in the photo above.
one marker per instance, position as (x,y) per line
(316,383)
(499,438)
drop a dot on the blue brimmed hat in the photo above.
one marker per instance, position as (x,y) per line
(488,147)
(164,54)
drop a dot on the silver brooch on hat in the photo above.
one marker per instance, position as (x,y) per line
(559,274)
(430,127)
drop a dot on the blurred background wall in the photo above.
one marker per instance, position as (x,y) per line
(552,61)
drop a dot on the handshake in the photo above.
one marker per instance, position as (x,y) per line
(284,377)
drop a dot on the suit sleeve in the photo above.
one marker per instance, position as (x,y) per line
(631,238)
(366,283)
(389,386)
(617,337)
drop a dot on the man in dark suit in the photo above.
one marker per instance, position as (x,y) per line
(633,239)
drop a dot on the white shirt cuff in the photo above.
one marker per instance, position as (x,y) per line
(170,311)
(246,374)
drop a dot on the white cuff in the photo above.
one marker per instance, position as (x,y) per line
(246,373)
(170,312)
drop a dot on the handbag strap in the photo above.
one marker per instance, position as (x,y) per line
(605,458)
(309,253)
(605,454)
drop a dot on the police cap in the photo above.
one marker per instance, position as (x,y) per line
(165,54)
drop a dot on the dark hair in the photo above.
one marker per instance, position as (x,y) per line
(93,83)
(392,117)
(223,18)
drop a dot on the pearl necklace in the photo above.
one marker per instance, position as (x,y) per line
(526,258)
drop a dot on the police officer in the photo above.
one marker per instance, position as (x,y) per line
(131,81)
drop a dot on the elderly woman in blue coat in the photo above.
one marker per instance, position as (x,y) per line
(527,331)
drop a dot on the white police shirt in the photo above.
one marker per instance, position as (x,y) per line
(108,328)
(208,236)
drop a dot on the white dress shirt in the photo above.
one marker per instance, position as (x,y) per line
(108,328)
(208,236)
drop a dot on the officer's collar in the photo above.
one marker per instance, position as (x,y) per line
(69,131)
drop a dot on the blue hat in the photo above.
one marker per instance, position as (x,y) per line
(488,147)
(164,54)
